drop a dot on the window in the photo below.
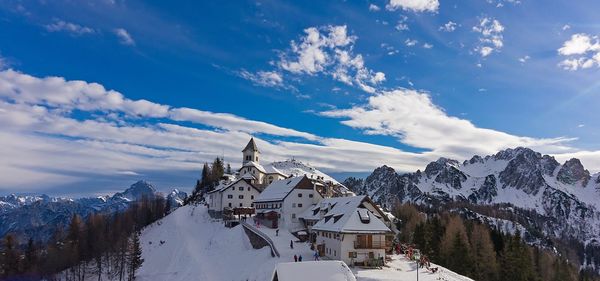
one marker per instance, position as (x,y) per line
(248,158)
(248,188)
(299,205)
(299,194)
(293,205)
(229,204)
(256,158)
(241,196)
(310,196)
(230,196)
(293,216)
(251,205)
(252,197)
(240,204)
(352,255)
(334,253)
(241,188)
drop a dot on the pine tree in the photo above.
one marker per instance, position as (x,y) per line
(228,171)
(10,257)
(205,179)
(135,256)
(485,266)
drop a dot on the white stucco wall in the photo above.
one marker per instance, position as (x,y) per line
(339,247)
(248,193)
(294,206)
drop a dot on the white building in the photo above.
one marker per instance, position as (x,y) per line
(232,195)
(280,204)
(351,229)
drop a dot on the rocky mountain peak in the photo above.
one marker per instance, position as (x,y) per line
(475,159)
(137,190)
(573,171)
(434,168)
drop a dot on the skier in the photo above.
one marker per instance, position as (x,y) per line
(300,258)
(291,244)
(295,258)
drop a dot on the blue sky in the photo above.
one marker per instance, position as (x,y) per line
(96,95)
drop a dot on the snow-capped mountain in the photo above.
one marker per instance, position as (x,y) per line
(564,197)
(38,216)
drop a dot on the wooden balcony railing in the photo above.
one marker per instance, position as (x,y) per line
(372,245)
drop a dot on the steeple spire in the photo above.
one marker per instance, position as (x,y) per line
(250,152)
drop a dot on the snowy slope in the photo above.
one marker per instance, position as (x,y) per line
(297,168)
(197,247)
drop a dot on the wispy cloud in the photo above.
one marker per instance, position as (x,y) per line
(124,36)
(72,28)
(491,38)
(414,5)
(448,27)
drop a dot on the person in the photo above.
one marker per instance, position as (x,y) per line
(299,258)
(291,244)
(277,232)
(316,255)
(295,258)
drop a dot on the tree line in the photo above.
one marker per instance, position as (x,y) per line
(100,246)
(209,178)
(482,252)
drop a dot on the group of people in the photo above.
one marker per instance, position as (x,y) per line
(298,258)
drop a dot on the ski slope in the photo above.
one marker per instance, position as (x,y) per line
(197,247)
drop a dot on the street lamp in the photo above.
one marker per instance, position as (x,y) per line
(417,257)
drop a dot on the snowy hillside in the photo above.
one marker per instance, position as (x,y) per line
(196,247)
(297,168)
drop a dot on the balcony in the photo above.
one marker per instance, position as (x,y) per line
(372,244)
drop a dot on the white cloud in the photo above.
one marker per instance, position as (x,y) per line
(72,28)
(566,27)
(491,38)
(410,42)
(414,5)
(582,51)
(448,27)
(374,8)
(263,78)
(124,36)
(329,50)
(412,118)
(402,25)
(427,46)
(524,59)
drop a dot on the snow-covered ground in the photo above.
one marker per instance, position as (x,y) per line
(401,268)
(197,247)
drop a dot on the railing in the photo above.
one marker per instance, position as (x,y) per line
(372,245)
(263,236)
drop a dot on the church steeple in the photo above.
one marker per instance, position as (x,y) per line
(250,152)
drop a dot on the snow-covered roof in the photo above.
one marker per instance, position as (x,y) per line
(345,214)
(312,213)
(313,270)
(278,190)
(256,165)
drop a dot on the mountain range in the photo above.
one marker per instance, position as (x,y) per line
(38,216)
(518,189)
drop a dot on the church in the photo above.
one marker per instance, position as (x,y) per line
(237,192)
